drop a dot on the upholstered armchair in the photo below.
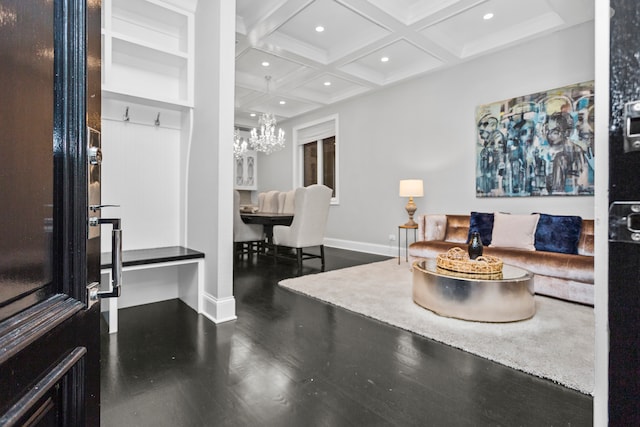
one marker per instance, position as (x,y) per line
(246,237)
(311,210)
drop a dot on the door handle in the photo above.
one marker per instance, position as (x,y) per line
(624,222)
(95,208)
(116,257)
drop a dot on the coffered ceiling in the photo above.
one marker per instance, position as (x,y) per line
(310,68)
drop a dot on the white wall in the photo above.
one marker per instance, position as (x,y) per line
(425,129)
(209,195)
(141,172)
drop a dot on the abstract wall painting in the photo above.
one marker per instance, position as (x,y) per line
(537,145)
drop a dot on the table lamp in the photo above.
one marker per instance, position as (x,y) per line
(411,188)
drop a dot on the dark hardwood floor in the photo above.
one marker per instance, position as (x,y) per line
(293,361)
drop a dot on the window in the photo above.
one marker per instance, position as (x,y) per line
(317,154)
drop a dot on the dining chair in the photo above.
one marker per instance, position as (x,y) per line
(286,202)
(311,210)
(268,201)
(247,238)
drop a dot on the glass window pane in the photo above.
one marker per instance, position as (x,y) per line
(329,163)
(310,163)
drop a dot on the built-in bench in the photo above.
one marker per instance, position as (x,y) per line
(143,259)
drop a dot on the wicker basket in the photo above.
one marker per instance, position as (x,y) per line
(456,259)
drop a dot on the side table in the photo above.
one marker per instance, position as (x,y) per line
(406,229)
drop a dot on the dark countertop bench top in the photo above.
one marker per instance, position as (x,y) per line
(151,256)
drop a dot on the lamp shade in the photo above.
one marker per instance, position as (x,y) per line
(411,188)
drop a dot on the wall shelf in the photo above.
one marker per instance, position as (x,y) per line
(155,22)
(149,47)
(148,51)
(145,72)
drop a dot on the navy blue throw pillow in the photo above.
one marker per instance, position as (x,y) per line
(481,222)
(558,233)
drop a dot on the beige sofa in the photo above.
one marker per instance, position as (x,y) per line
(560,275)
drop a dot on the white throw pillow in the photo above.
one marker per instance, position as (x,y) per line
(514,231)
(436,227)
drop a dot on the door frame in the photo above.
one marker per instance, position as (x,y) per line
(601,213)
(70,148)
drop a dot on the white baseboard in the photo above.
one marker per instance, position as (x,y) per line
(371,248)
(218,310)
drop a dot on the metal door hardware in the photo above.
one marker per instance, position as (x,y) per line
(116,257)
(95,208)
(632,126)
(95,156)
(624,222)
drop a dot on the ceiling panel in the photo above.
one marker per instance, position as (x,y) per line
(410,11)
(403,60)
(251,12)
(511,22)
(243,95)
(418,37)
(289,109)
(344,30)
(253,65)
(327,89)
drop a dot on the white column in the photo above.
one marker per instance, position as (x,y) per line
(210,169)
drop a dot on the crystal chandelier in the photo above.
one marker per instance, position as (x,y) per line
(240,145)
(268,140)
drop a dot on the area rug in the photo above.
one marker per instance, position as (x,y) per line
(557,343)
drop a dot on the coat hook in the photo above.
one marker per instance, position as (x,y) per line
(157,122)
(126,115)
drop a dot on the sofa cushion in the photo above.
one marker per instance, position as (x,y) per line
(482,222)
(563,266)
(585,244)
(558,233)
(514,231)
(457,228)
(435,227)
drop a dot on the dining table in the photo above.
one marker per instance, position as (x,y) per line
(268,220)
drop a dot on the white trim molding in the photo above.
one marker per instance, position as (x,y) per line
(218,310)
(371,248)
(317,130)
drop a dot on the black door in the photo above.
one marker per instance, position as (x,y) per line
(624,190)
(49,343)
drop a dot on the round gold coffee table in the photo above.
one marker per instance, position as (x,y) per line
(507,297)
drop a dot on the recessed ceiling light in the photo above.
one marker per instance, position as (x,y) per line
(252,114)
(319,29)
(327,83)
(283,102)
(265,64)
(487,16)
(384,59)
